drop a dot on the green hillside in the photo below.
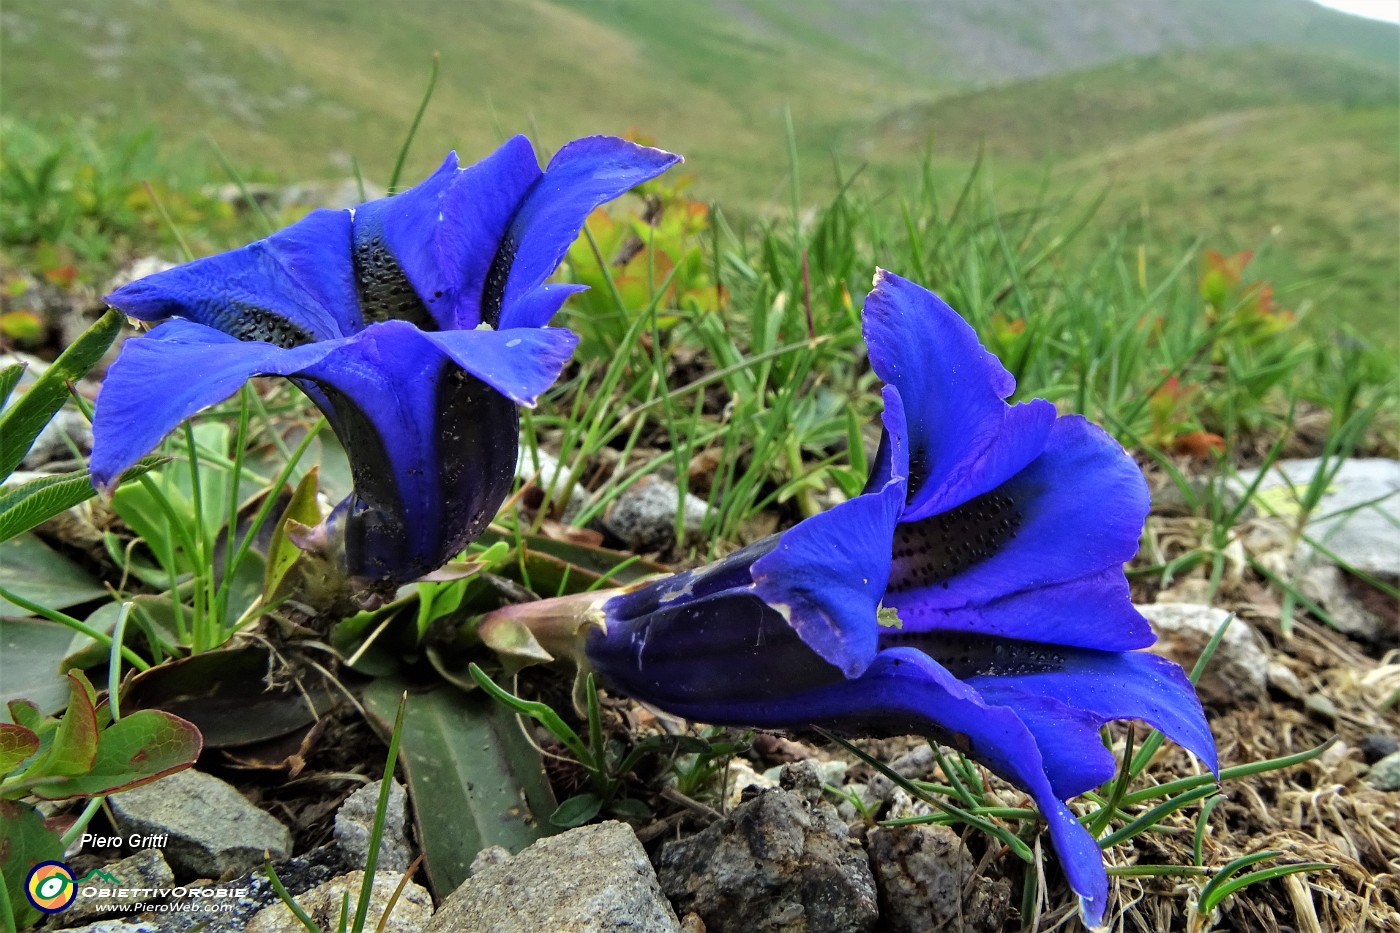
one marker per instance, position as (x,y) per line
(1293,153)
(1173,108)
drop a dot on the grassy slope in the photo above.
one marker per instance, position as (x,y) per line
(1223,145)
(1292,151)
(299,88)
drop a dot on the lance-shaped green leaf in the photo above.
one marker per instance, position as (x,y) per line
(473,775)
(283,552)
(27,505)
(9,378)
(21,422)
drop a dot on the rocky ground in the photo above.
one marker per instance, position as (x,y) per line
(780,850)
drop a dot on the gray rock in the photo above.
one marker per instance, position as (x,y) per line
(1282,680)
(1375,747)
(1385,774)
(1357,518)
(783,862)
(922,872)
(915,764)
(411,912)
(644,514)
(354,822)
(228,906)
(145,869)
(1337,593)
(115,926)
(214,832)
(594,879)
(1238,671)
(1321,707)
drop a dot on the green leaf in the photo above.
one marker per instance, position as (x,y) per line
(282,553)
(21,422)
(225,693)
(16,744)
(24,842)
(25,713)
(32,569)
(74,747)
(152,616)
(31,652)
(593,563)
(24,506)
(135,750)
(576,811)
(9,378)
(473,775)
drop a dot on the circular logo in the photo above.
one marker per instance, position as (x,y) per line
(50,887)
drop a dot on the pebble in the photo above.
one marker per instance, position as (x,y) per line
(594,879)
(783,862)
(145,869)
(354,822)
(644,515)
(1321,707)
(741,777)
(323,903)
(1385,774)
(1375,747)
(214,832)
(922,872)
(1282,679)
(1237,672)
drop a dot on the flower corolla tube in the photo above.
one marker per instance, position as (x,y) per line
(416,323)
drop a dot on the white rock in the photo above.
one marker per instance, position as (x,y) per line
(1357,518)
(1237,672)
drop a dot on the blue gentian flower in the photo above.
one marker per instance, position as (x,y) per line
(416,323)
(974,593)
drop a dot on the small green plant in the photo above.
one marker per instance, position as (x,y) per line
(87,753)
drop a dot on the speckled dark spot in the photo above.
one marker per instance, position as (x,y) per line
(383,288)
(967,655)
(932,550)
(493,290)
(248,322)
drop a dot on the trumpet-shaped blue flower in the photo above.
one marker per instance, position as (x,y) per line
(416,323)
(997,535)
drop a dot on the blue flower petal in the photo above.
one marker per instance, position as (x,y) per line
(1076,510)
(1071,745)
(828,573)
(291,288)
(582,175)
(165,377)
(892,457)
(445,232)
(905,692)
(964,440)
(1093,611)
(1111,685)
(432,447)
(520,364)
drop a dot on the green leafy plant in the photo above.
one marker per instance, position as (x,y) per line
(87,753)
